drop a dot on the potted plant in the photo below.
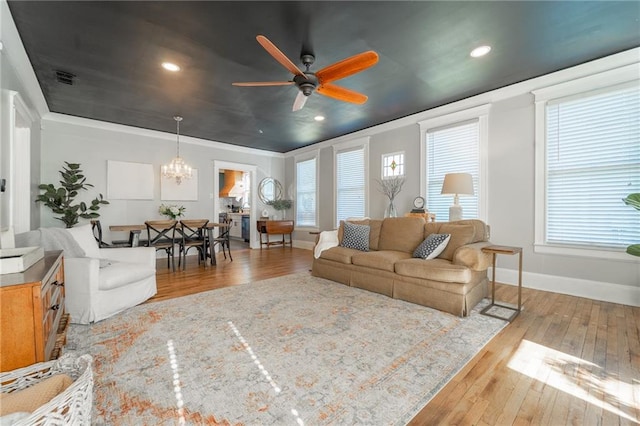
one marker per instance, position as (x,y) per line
(633,200)
(61,200)
(280,205)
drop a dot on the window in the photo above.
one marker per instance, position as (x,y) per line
(455,143)
(452,149)
(351,187)
(392,165)
(306,193)
(590,149)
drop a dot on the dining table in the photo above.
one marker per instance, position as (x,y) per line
(133,230)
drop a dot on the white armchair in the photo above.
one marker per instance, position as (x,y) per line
(99,283)
(108,280)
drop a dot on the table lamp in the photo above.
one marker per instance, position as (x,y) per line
(457,184)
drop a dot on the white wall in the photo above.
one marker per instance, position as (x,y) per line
(92,143)
(17,75)
(510,188)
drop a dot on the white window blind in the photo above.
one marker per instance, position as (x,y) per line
(350,184)
(453,149)
(592,162)
(306,193)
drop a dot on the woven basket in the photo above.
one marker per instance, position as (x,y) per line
(71,407)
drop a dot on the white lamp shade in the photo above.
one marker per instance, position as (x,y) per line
(457,184)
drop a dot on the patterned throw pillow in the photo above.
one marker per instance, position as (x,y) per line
(432,246)
(356,236)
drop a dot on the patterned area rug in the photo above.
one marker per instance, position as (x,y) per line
(289,350)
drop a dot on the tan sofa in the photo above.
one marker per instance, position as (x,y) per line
(453,282)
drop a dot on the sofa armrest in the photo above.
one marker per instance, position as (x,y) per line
(472,256)
(145,255)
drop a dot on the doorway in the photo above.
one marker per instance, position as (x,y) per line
(235,199)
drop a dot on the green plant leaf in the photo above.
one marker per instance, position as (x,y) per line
(633,200)
(634,250)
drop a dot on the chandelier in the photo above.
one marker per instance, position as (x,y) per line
(177,169)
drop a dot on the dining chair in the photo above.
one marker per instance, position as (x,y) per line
(192,235)
(161,234)
(222,239)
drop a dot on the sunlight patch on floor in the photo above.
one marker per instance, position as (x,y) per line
(577,377)
(260,367)
(177,389)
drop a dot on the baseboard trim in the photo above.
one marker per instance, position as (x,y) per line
(307,245)
(596,290)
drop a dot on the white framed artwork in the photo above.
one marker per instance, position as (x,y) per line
(187,190)
(129,181)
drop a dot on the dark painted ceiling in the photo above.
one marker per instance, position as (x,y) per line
(115,50)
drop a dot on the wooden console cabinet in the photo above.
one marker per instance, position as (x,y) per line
(275,227)
(33,323)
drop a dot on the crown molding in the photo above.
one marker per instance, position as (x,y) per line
(618,60)
(138,131)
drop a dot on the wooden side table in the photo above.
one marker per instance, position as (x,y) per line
(495,251)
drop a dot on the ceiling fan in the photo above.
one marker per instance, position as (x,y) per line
(321,81)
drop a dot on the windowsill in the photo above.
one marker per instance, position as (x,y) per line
(577,251)
(306,229)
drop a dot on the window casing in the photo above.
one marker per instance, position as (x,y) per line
(351,188)
(587,160)
(455,143)
(307,193)
(393,165)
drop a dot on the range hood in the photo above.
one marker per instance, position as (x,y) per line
(232,184)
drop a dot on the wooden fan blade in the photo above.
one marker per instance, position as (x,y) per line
(347,67)
(341,94)
(263,83)
(301,99)
(279,56)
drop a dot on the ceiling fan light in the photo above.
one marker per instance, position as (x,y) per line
(170,66)
(480,51)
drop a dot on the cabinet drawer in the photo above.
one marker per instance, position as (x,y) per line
(52,313)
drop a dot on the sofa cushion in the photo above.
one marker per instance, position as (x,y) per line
(339,254)
(119,274)
(85,239)
(460,235)
(401,234)
(374,230)
(432,246)
(433,269)
(383,259)
(355,237)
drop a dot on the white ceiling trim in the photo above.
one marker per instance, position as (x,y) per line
(113,127)
(14,51)
(618,60)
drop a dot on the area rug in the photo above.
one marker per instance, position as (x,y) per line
(290,350)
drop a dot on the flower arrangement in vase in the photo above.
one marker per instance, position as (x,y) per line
(172,211)
(280,205)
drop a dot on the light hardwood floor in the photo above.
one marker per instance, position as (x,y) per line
(564,360)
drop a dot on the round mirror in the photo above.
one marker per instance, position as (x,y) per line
(269,189)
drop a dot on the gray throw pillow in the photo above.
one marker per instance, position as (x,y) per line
(356,236)
(432,246)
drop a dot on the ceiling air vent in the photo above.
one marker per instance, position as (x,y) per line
(65,77)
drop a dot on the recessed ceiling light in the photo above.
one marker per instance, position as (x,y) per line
(480,51)
(319,118)
(170,66)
